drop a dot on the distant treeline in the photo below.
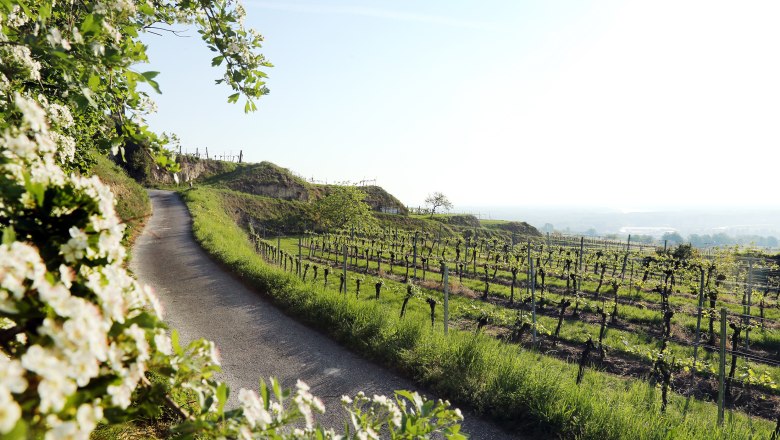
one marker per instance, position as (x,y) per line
(723,239)
(705,240)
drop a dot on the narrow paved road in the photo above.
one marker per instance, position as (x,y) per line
(254,338)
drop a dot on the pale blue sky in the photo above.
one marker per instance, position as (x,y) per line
(502,102)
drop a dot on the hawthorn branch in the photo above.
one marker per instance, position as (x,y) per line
(170,403)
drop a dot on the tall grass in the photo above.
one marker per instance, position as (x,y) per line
(519,388)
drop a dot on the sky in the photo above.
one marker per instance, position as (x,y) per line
(621,104)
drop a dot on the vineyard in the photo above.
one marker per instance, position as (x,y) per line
(703,325)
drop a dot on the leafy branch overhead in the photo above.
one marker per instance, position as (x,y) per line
(83,56)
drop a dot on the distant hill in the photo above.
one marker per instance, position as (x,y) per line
(276,198)
(270,180)
(266,179)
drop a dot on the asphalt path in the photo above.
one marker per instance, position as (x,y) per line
(254,338)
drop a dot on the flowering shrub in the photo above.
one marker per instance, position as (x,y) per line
(78,334)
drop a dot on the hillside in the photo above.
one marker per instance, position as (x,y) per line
(265,179)
(275,198)
(270,180)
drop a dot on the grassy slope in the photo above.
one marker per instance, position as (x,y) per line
(292,216)
(132,202)
(522,388)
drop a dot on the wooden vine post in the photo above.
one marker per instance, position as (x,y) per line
(533,293)
(414,258)
(300,257)
(748,303)
(446,270)
(699,311)
(722,366)
(579,264)
(344,273)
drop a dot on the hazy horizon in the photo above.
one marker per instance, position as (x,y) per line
(740,221)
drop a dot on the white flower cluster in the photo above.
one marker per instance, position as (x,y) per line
(20,57)
(306,402)
(84,297)
(56,40)
(17,17)
(254,409)
(146,105)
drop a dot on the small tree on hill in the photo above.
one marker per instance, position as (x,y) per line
(437,200)
(342,208)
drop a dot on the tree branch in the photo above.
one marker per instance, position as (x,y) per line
(169,402)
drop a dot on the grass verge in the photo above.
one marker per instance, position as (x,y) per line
(523,389)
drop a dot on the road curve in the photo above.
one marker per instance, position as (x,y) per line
(254,338)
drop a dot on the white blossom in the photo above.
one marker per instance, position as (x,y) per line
(77,246)
(55,39)
(139,339)
(77,38)
(10,412)
(19,145)
(17,17)
(21,56)
(11,376)
(120,394)
(32,113)
(253,409)
(60,115)
(163,343)
(98,49)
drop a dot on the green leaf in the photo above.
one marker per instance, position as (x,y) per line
(94,82)
(24,8)
(175,343)
(277,389)
(9,235)
(88,25)
(265,393)
(154,85)
(45,11)
(144,320)
(150,75)
(19,432)
(216,61)
(145,9)
(234,97)
(222,396)
(35,189)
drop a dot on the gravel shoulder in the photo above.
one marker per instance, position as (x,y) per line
(254,338)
